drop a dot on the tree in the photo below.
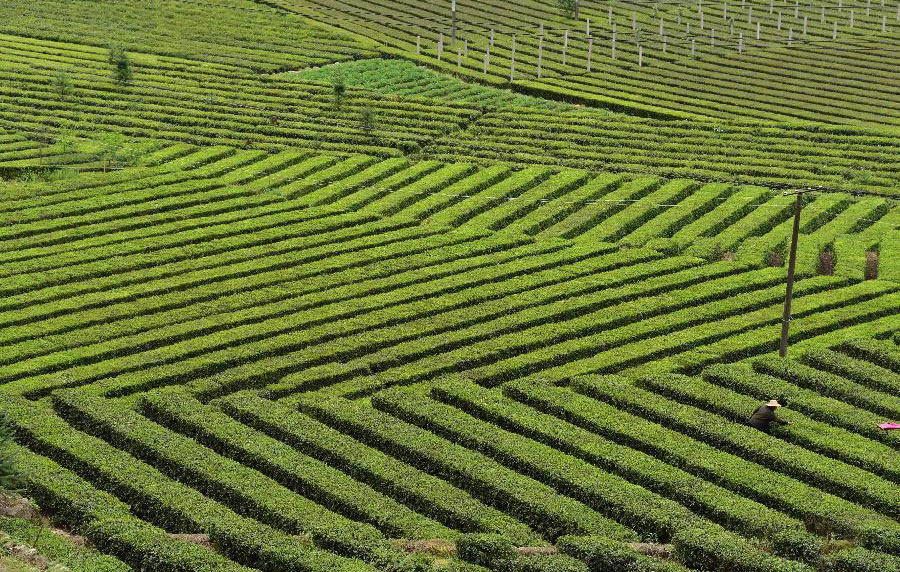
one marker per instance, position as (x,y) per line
(11,480)
(121,64)
(567,7)
(339,87)
(111,145)
(62,85)
(367,120)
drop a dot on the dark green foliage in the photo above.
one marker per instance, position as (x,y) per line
(339,87)
(121,64)
(566,7)
(798,545)
(62,85)
(862,560)
(712,549)
(488,550)
(608,555)
(11,479)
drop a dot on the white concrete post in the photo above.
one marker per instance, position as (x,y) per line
(590,53)
(453,23)
(757,29)
(640,55)
(512,60)
(487,59)
(418,45)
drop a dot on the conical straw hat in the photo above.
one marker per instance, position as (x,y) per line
(773,403)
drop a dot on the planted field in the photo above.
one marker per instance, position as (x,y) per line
(163,324)
(235,33)
(828,61)
(286,287)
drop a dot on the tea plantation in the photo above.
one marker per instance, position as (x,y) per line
(305,285)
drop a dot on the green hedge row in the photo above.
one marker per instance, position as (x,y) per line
(494,552)
(863,372)
(699,458)
(880,352)
(701,496)
(741,440)
(654,516)
(632,333)
(829,384)
(156,498)
(546,510)
(356,236)
(426,494)
(484,198)
(367,195)
(818,318)
(178,410)
(108,523)
(518,207)
(193,356)
(276,294)
(821,437)
(824,409)
(482,331)
(246,490)
(435,182)
(601,553)
(541,220)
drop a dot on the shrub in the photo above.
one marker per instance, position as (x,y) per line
(798,545)
(862,560)
(489,550)
(62,85)
(121,64)
(601,553)
(11,479)
(707,548)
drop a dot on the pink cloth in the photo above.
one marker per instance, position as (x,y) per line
(890,425)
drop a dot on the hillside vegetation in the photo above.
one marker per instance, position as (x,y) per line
(281,293)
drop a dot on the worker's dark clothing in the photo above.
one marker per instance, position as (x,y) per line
(763,417)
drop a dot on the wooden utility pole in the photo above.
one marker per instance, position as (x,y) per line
(792,262)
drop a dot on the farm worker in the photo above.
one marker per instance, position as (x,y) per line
(764,415)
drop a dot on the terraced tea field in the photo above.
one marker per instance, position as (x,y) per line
(276,298)
(820,61)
